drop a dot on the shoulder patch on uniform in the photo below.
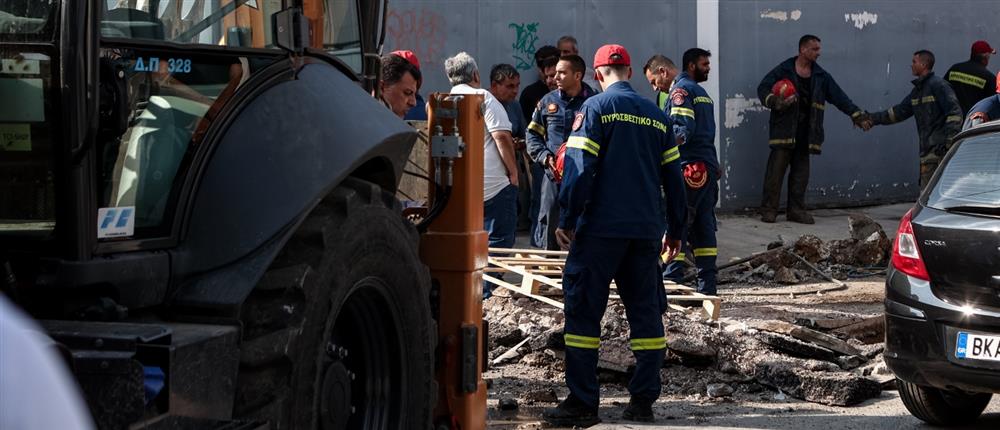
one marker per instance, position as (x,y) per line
(578,121)
(552,108)
(677,97)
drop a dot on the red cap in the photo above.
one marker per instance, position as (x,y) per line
(408,56)
(981,47)
(612,55)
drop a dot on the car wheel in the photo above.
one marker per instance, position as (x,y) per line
(942,407)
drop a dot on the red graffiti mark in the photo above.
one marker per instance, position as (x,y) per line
(421,31)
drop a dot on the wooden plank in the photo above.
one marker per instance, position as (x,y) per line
(514,288)
(527,251)
(808,335)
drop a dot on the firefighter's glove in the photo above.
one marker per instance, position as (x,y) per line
(864,121)
(785,103)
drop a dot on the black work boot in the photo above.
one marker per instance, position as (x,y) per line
(802,217)
(768,216)
(638,410)
(571,413)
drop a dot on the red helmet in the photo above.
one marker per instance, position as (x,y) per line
(560,162)
(783,88)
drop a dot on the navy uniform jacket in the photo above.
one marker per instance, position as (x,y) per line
(619,155)
(693,116)
(989,106)
(934,107)
(784,124)
(971,82)
(551,121)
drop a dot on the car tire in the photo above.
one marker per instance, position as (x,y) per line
(942,407)
(338,333)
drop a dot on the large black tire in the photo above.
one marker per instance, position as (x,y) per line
(940,407)
(341,321)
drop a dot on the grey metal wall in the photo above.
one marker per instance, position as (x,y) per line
(867,47)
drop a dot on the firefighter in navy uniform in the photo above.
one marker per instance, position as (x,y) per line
(934,107)
(620,158)
(547,131)
(971,80)
(693,117)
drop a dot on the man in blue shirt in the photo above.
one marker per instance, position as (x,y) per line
(620,158)
(693,116)
(505,81)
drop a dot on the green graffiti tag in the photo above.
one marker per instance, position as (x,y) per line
(524,44)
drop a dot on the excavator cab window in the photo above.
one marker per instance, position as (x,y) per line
(341,32)
(158,100)
(27,121)
(238,23)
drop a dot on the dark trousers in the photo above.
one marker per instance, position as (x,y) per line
(525,184)
(798,178)
(537,176)
(500,222)
(700,239)
(590,266)
(548,216)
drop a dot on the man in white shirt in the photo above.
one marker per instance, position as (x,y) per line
(500,165)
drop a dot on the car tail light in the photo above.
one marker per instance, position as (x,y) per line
(905,254)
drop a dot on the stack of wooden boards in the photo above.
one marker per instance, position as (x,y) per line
(541,279)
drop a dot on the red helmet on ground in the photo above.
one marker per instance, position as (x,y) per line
(783,88)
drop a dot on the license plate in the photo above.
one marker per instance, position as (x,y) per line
(977,346)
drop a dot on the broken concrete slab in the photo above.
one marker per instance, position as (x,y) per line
(795,347)
(690,351)
(860,226)
(828,388)
(826,323)
(808,335)
(868,331)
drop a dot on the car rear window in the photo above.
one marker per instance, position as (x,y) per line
(971,177)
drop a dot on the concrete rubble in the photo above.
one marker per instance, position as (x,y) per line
(866,249)
(825,356)
(711,359)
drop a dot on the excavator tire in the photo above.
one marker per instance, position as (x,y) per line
(338,334)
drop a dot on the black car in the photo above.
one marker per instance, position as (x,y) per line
(943,287)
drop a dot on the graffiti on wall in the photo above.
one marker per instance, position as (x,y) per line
(526,34)
(419,30)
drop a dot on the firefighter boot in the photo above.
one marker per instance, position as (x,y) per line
(572,412)
(638,410)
